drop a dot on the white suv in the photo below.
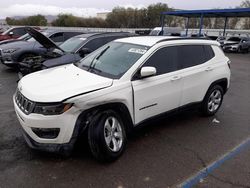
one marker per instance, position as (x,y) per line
(118,87)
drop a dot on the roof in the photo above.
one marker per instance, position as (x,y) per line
(238,12)
(152,40)
(144,40)
(87,35)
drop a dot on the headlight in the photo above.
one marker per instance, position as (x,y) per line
(10,50)
(52,108)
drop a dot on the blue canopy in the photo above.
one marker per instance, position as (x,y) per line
(213,13)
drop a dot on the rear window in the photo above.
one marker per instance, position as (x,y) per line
(192,55)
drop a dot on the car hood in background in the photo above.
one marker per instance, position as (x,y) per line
(9,41)
(59,83)
(17,44)
(228,42)
(42,39)
(64,59)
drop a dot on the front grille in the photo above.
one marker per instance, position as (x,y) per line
(26,105)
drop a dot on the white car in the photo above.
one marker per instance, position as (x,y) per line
(118,87)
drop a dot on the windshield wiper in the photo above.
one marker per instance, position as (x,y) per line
(92,64)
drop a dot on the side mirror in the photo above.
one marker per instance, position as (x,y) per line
(84,51)
(11,33)
(147,72)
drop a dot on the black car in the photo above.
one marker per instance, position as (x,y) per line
(68,52)
(13,53)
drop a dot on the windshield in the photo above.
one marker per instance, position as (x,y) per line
(25,37)
(112,60)
(235,39)
(32,39)
(73,44)
(6,32)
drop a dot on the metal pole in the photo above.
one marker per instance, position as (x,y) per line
(225,27)
(162,23)
(201,24)
(187,25)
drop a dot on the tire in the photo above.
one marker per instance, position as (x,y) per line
(240,50)
(212,101)
(106,136)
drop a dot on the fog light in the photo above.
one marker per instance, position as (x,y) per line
(46,133)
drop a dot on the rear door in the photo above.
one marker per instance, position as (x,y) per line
(197,71)
(159,93)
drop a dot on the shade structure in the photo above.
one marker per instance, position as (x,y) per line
(211,13)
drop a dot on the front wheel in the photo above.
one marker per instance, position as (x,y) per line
(212,101)
(106,136)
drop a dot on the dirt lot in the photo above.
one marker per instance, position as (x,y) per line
(163,154)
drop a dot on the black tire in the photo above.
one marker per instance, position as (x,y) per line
(207,108)
(96,137)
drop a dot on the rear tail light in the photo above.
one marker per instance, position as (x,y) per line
(228,63)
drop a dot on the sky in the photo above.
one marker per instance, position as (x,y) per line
(90,8)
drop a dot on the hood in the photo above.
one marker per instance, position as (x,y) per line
(64,59)
(9,41)
(17,44)
(228,42)
(42,39)
(4,37)
(60,83)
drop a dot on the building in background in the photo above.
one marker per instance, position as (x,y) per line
(102,15)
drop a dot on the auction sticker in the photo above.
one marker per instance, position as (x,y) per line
(137,50)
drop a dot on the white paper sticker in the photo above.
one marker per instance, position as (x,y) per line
(82,38)
(137,50)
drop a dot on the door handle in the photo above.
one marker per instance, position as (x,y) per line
(209,69)
(175,78)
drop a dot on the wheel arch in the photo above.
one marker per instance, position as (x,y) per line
(223,82)
(86,116)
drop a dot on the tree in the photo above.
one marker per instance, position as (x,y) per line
(37,20)
(246,4)
(154,14)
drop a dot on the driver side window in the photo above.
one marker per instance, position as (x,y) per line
(165,60)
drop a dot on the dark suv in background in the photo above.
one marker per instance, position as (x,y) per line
(13,53)
(71,51)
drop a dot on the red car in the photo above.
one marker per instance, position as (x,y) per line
(14,33)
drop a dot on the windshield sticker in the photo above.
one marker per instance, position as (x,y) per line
(82,38)
(137,50)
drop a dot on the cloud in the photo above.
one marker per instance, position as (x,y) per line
(140,6)
(33,9)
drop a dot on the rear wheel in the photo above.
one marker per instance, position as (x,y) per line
(106,136)
(212,100)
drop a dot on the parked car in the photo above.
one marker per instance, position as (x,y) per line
(13,53)
(74,49)
(118,87)
(24,37)
(236,44)
(14,33)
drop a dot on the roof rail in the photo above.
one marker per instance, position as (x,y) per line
(182,38)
